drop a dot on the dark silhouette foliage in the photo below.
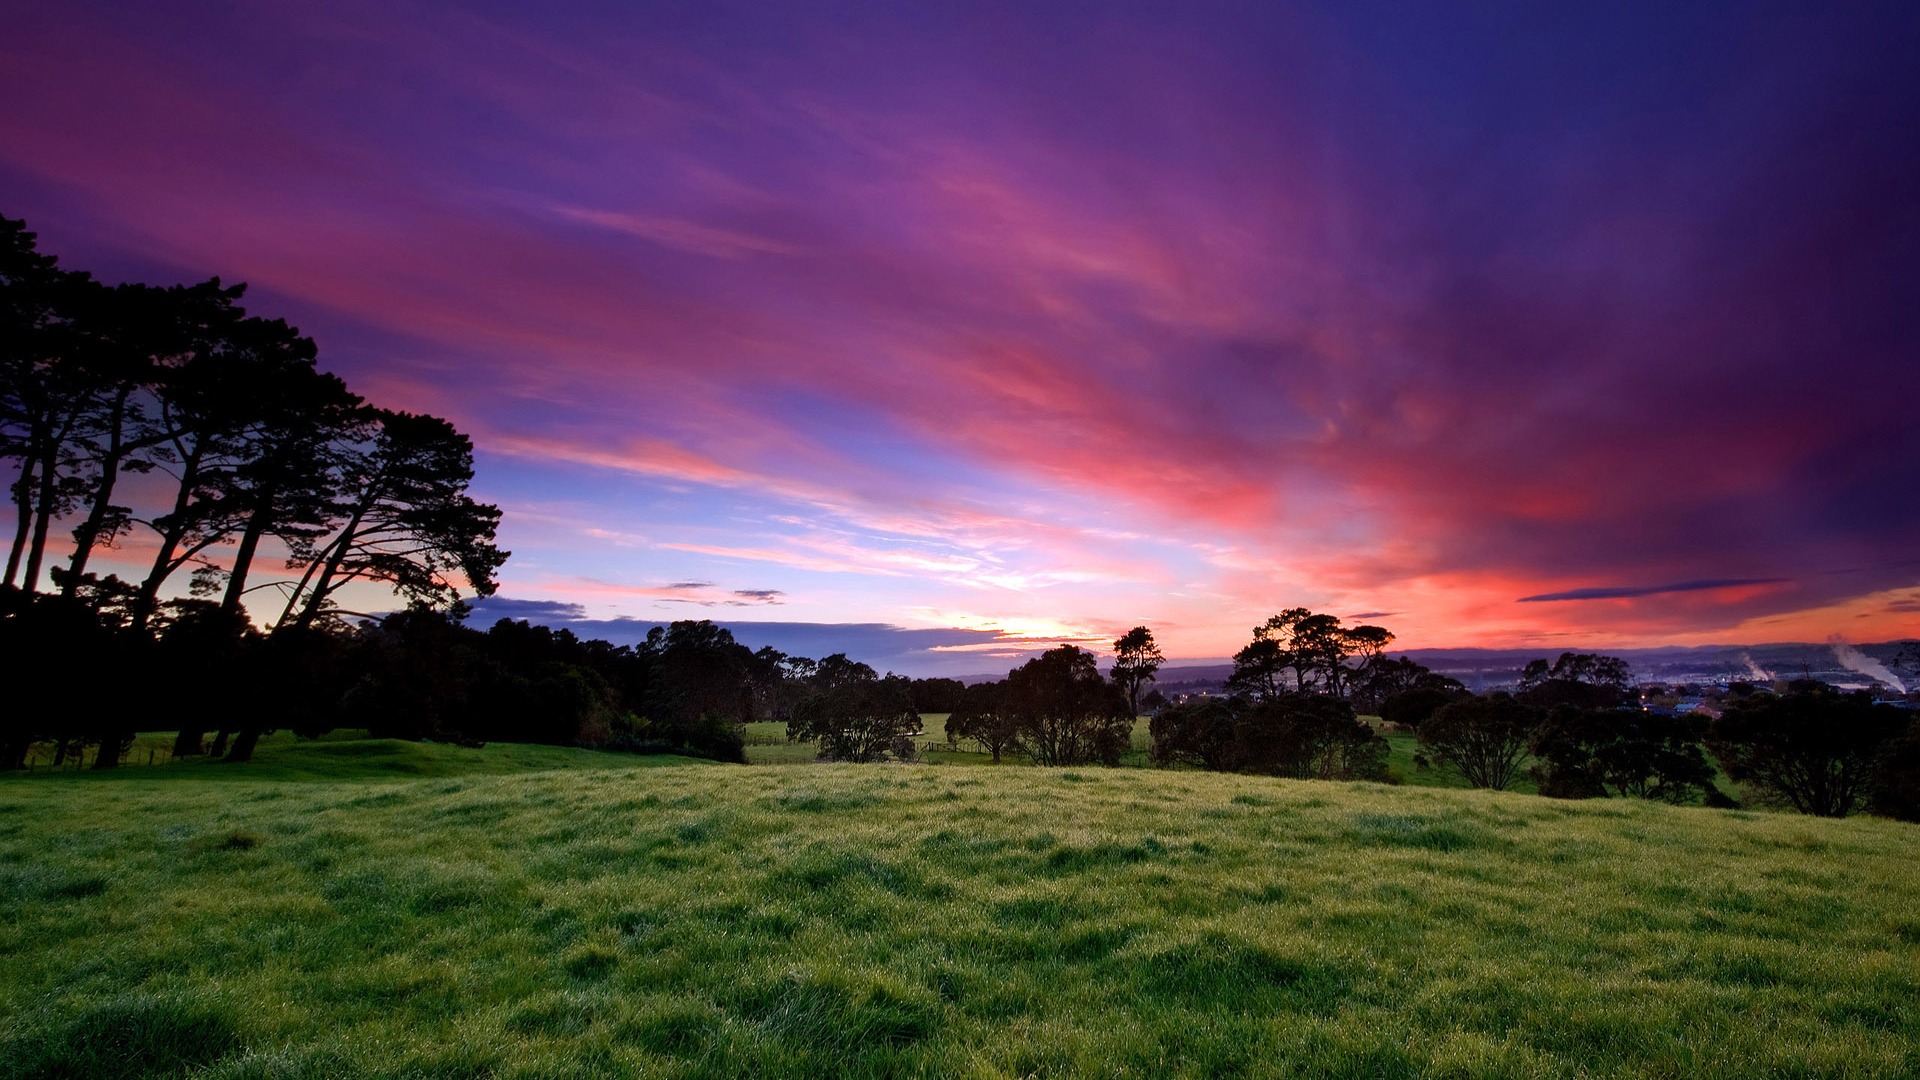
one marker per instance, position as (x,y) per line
(936,695)
(853,714)
(1585,753)
(1303,736)
(1411,708)
(1486,738)
(1199,731)
(1896,778)
(1813,748)
(1065,712)
(1308,737)
(1136,657)
(982,717)
(1579,680)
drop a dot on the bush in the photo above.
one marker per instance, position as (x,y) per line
(1411,708)
(1896,778)
(1593,752)
(1813,748)
(1303,736)
(1485,738)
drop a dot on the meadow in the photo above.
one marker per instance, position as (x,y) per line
(372,908)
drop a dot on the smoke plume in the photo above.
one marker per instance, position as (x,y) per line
(1854,660)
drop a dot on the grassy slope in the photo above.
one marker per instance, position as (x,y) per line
(682,919)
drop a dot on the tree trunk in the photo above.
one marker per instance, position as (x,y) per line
(60,751)
(149,595)
(88,533)
(23,503)
(243,562)
(111,745)
(49,483)
(13,753)
(243,746)
(191,742)
(220,743)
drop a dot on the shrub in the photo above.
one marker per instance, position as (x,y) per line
(1486,738)
(1813,748)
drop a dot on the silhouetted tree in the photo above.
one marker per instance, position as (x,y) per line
(1135,660)
(1065,712)
(854,715)
(1258,667)
(1814,748)
(1595,752)
(1380,678)
(1486,738)
(1199,731)
(1308,737)
(1411,708)
(1580,680)
(937,695)
(46,390)
(1896,777)
(408,521)
(981,717)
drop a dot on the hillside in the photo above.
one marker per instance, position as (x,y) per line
(604,917)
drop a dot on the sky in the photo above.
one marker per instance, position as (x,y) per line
(939,333)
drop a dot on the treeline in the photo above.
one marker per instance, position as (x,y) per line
(205,445)
(1574,725)
(170,423)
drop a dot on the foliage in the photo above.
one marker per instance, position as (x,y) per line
(853,714)
(241,440)
(1486,738)
(1411,708)
(1199,731)
(1135,660)
(1896,778)
(1813,748)
(981,716)
(936,695)
(1579,680)
(1303,736)
(1382,678)
(1594,752)
(1064,712)
(1308,737)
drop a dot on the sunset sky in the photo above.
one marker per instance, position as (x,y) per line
(951,330)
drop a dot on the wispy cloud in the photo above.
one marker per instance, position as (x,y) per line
(1621,592)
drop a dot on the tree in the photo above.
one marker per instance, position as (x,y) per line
(1135,660)
(1066,714)
(1411,708)
(1308,737)
(980,715)
(700,693)
(1199,731)
(937,695)
(46,390)
(1813,748)
(407,521)
(1257,667)
(1381,677)
(1486,738)
(1896,779)
(1597,752)
(1581,680)
(853,714)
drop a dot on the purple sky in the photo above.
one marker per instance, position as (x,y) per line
(1510,324)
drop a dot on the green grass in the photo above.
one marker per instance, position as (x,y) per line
(529,912)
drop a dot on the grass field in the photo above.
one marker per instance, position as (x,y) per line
(361,908)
